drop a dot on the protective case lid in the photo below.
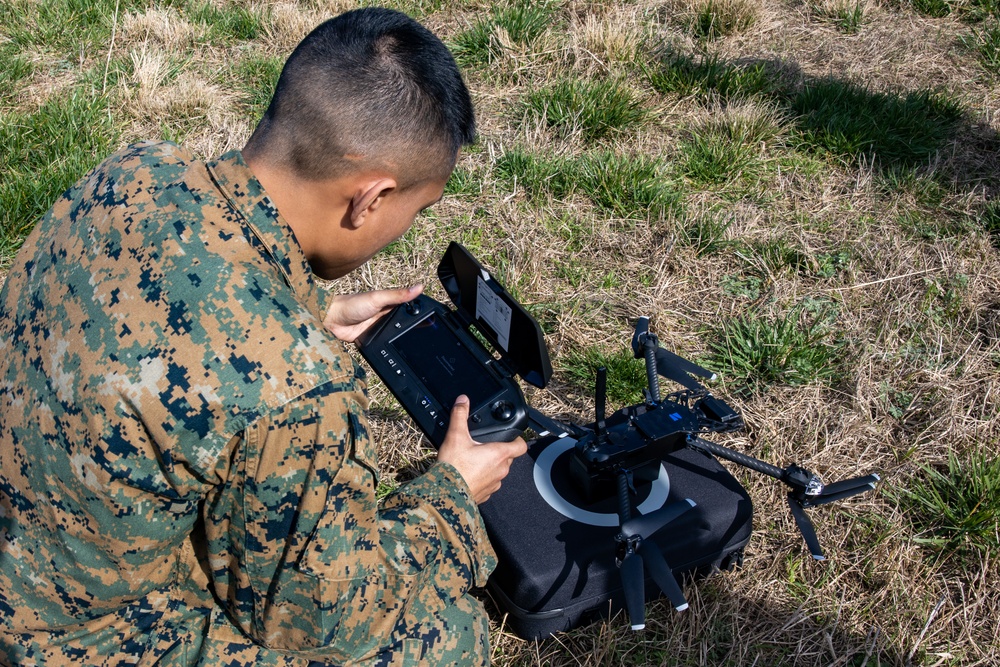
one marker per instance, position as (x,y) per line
(482,302)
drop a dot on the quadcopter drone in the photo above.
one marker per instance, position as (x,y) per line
(627,446)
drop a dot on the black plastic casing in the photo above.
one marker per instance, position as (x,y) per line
(427,355)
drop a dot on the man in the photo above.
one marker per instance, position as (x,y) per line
(186,475)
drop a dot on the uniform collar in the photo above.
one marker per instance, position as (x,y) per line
(246,195)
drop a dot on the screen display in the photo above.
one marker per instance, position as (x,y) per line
(444,366)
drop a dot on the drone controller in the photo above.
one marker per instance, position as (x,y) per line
(427,355)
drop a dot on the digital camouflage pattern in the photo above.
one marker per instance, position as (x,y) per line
(186,475)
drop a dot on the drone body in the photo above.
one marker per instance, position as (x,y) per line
(617,453)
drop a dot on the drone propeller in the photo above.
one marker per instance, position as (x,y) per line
(637,550)
(667,364)
(800,498)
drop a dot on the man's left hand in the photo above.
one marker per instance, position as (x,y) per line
(350,315)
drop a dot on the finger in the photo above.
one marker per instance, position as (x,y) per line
(394,297)
(459,423)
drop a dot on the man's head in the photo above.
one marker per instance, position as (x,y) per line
(371,102)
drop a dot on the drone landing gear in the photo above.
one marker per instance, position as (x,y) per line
(636,549)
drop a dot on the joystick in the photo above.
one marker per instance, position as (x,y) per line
(502,411)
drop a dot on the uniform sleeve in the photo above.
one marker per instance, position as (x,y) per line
(307,560)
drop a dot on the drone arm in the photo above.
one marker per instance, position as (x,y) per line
(649,348)
(737,457)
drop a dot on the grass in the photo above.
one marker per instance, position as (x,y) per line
(595,109)
(712,19)
(803,196)
(985,41)
(506,27)
(44,152)
(755,350)
(846,120)
(847,16)
(626,375)
(955,507)
(708,76)
(630,187)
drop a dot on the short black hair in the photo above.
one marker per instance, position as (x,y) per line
(369,85)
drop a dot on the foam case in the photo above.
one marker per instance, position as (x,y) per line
(557,561)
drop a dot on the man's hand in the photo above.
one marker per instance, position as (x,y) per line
(350,314)
(483,466)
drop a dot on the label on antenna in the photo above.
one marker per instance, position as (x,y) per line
(493,310)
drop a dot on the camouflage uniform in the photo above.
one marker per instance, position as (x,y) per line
(186,475)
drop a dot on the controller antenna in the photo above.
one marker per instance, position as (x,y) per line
(601,403)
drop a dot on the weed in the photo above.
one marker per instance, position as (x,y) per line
(595,108)
(745,287)
(489,38)
(830,264)
(955,509)
(849,121)
(626,374)
(944,297)
(757,350)
(897,402)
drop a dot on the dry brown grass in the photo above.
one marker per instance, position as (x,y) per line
(880,599)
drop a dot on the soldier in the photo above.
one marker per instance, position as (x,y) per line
(186,473)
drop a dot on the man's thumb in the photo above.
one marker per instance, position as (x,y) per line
(460,415)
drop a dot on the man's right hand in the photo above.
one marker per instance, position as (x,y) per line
(482,466)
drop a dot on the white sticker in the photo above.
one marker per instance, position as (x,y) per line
(490,308)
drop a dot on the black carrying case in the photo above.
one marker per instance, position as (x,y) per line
(556,573)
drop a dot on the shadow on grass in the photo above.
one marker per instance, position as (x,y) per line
(892,133)
(721,628)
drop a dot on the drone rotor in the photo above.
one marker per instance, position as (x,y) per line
(667,364)
(799,500)
(637,550)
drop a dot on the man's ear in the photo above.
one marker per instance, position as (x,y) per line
(368,197)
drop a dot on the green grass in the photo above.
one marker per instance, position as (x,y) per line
(723,148)
(709,75)
(756,350)
(772,256)
(631,187)
(719,18)
(985,42)
(626,374)
(955,508)
(706,232)
(67,29)
(847,16)
(43,153)
(596,109)
(854,123)
(230,22)
(522,23)
(258,76)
